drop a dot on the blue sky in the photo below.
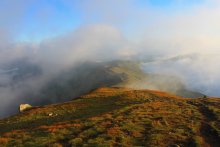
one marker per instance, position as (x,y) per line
(173,3)
(49,18)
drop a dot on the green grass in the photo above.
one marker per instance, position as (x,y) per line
(112,117)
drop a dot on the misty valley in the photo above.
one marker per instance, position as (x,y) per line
(25,82)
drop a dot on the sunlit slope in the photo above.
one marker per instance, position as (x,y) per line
(117,117)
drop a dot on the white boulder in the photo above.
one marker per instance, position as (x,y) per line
(24,107)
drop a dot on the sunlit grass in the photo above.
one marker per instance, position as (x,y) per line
(112,117)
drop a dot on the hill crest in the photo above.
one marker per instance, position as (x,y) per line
(117,117)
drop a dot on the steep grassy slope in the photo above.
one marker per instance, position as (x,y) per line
(117,117)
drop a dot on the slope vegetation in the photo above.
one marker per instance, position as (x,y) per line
(117,117)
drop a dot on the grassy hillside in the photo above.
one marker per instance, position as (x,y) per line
(117,117)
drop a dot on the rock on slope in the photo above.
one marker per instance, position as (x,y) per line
(117,117)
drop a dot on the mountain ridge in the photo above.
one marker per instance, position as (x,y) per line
(86,76)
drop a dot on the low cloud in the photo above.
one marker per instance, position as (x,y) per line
(54,56)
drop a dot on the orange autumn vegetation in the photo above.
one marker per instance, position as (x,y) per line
(117,117)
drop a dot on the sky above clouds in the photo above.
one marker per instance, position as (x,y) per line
(172,23)
(35,20)
(107,28)
(165,27)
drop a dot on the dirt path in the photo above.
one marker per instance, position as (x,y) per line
(209,135)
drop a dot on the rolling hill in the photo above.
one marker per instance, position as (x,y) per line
(117,117)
